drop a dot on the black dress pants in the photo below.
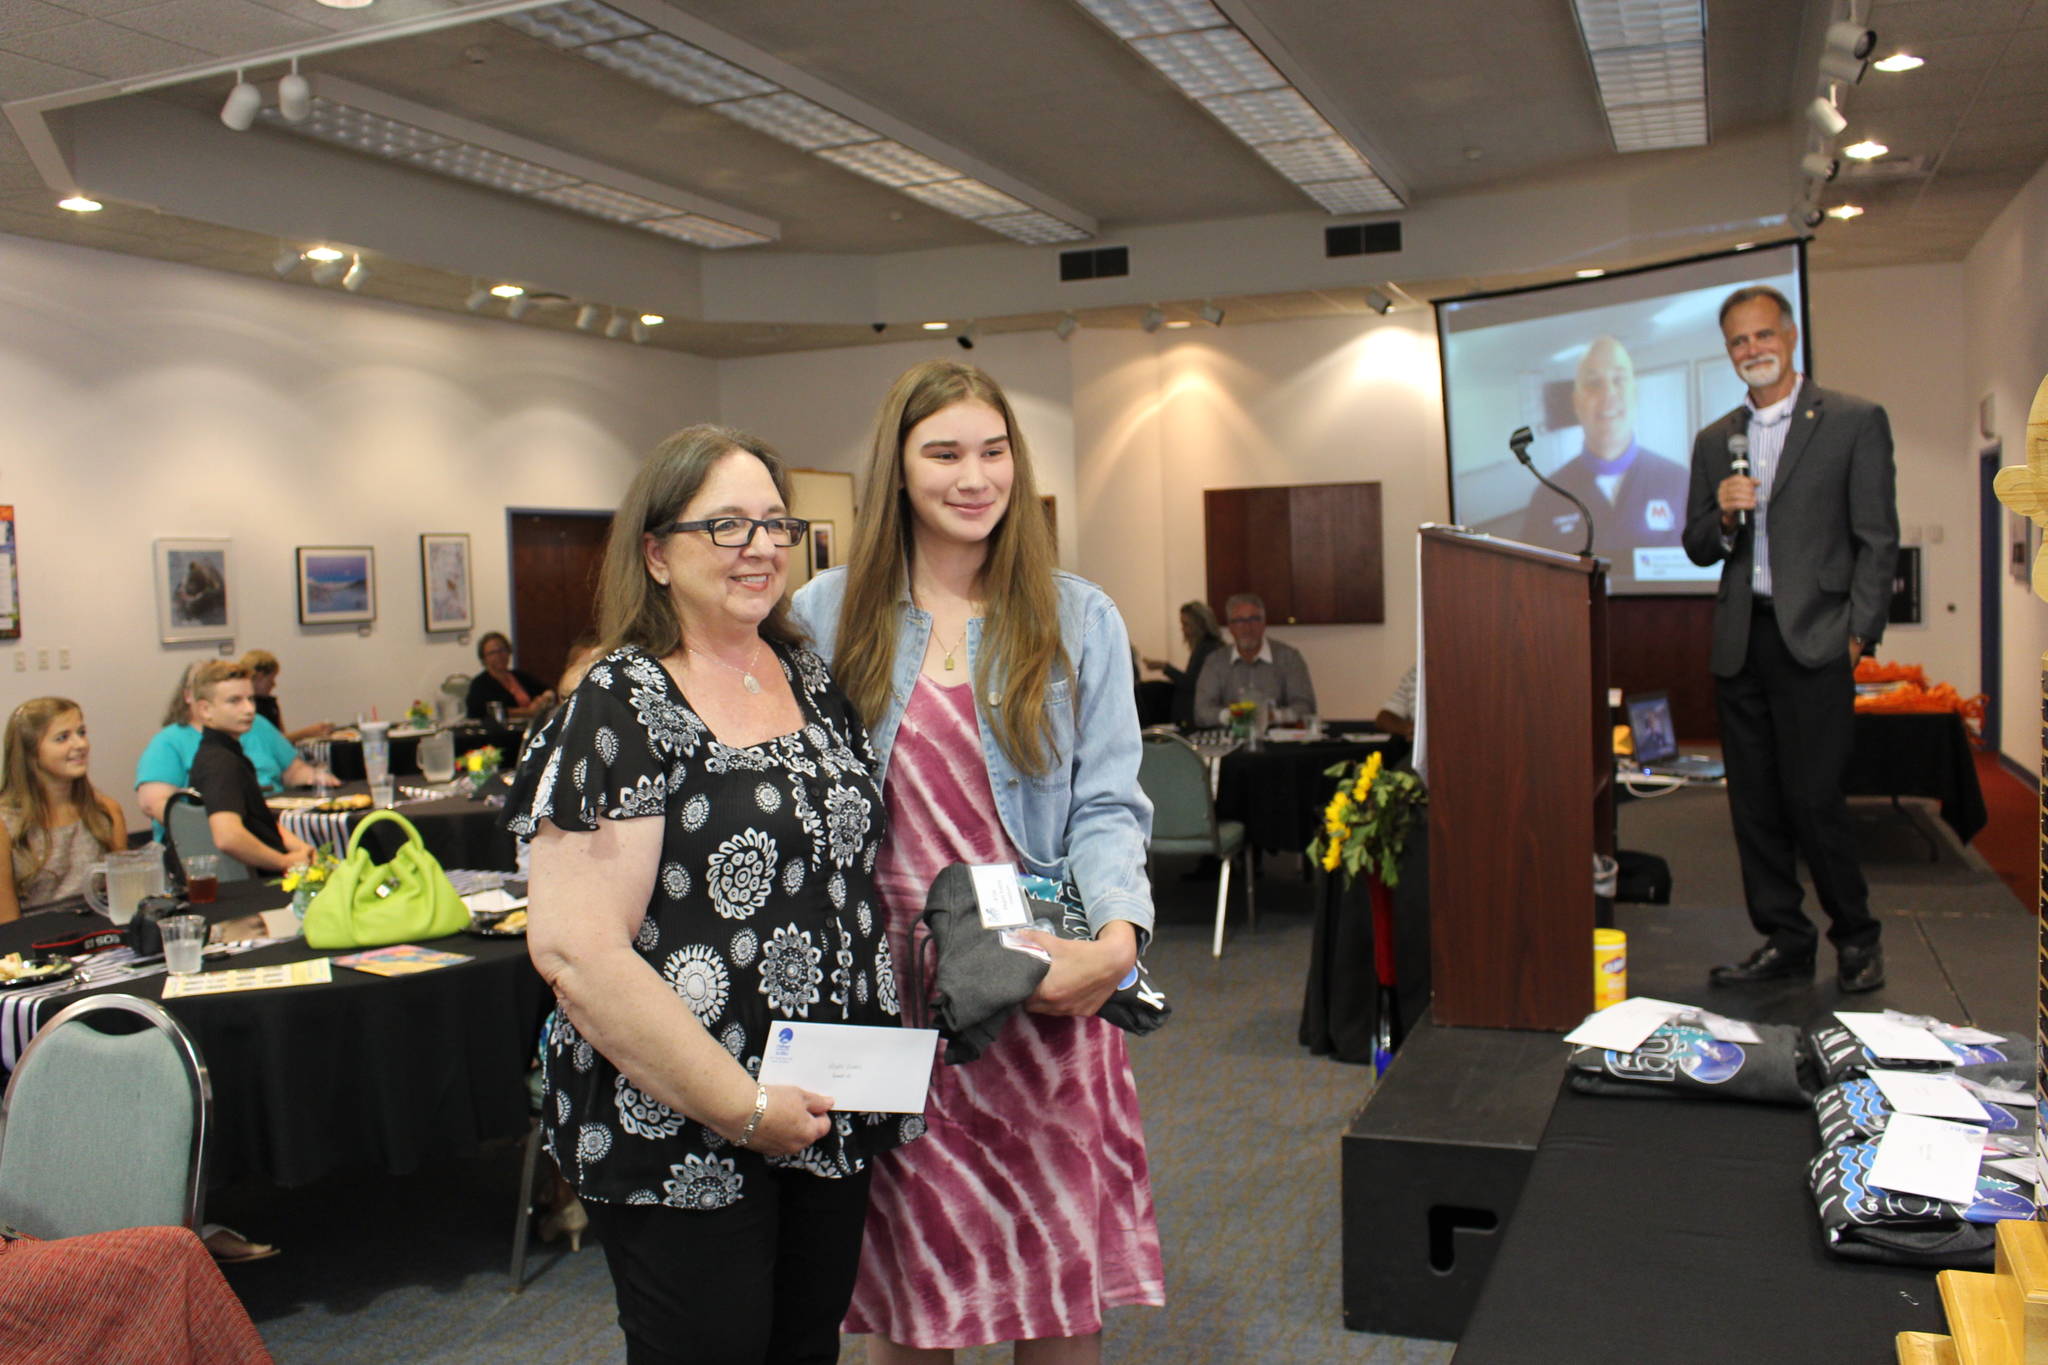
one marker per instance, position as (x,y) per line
(1786,734)
(763,1282)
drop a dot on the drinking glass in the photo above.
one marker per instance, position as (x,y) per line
(184,941)
(384,792)
(128,880)
(202,878)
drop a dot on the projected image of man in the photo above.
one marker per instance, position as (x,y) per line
(1637,496)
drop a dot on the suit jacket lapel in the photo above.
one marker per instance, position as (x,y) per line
(1805,417)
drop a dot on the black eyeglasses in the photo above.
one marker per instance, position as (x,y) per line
(735,532)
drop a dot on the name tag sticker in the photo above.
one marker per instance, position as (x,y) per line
(997,894)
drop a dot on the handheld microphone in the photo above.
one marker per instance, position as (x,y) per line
(1738,458)
(1519,442)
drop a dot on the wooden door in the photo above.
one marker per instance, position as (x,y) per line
(555,559)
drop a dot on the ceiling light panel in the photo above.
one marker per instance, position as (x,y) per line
(601,201)
(968,199)
(358,128)
(481,166)
(889,163)
(575,24)
(1216,61)
(1034,227)
(1268,116)
(795,120)
(678,69)
(704,232)
(1649,65)
(1137,18)
(1323,158)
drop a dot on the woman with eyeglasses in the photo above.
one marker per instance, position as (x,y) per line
(521,694)
(705,817)
(998,693)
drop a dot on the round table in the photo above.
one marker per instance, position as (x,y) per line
(1279,790)
(345,756)
(461,831)
(368,1070)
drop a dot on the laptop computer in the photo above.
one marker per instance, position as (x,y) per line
(1656,740)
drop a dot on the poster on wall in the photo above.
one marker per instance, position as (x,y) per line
(195,591)
(824,546)
(10,587)
(444,581)
(337,584)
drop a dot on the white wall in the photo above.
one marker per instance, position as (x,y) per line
(148,400)
(2006,291)
(1899,336)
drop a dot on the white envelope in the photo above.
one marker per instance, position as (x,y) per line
(880,1070)
(1919,1155)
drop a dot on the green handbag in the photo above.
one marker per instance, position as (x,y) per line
(368,905)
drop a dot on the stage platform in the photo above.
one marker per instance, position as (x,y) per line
(1650,1230)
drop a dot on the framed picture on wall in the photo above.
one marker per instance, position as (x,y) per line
(444,580)
(195,591)
(337,584)
(824,546)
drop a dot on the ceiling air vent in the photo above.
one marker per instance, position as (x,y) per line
(1095,263)
(1361,239)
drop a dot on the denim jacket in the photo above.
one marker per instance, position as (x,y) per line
(1085,818)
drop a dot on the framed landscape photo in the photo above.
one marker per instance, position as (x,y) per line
(337,584)
(444,581)
(195,591)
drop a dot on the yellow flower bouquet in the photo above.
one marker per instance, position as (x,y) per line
(480,765)
(1366,824)
(305,880)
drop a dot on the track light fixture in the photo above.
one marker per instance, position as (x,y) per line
(1819,166)
(586,318)
(287,261)
(478,297)
(1809,216)
(1212,315)
(1153,320)
(356,277)
(1825,118)
(1849,37)
(243,102)
(327,272)
(1839,66)
(878,327)
(639,331)
(616,328)
(294,95)
(1066,326)
(966,337)
(1378,302)
(518,306)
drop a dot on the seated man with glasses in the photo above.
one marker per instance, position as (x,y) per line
(1256,669)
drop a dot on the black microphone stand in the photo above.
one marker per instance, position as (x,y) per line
(1519,443)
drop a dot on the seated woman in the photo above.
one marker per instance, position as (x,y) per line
(1203,636)
(263,670)
(53,824)
(521,694)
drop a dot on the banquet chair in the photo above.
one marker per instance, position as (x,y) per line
(187,833)
(1175,777)
(103,1130)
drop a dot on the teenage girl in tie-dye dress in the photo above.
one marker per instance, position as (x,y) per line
(999,696)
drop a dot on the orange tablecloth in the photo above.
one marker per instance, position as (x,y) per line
(140,1294)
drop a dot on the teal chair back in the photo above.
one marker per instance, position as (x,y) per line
(102,1130)
(1173,775)
(185,823)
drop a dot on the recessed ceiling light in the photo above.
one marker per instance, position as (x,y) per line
(78,203)
(348,4)
(1845,211)
(503,291)
(1590,274)
(1865,150)
(653,319)
(936,326)
(325,253)
(1177,324)
(1900,61)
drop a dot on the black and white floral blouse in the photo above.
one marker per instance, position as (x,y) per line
(765,908)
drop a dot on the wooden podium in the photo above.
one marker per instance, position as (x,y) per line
(1521,776)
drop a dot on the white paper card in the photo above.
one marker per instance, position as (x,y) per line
(884,1070)
(2018,1167)
(493,900)
(1919,1155)
(1727,1030)
(1998,1094)
(1941,1097)
(1000,898)
(1622,1028)
(1894,1041)
(1970,1037)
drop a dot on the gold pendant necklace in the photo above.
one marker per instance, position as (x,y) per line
(747,678)
(950,652)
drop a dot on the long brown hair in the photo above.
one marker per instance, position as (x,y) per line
(1021,647)
(633,609)
(25,803)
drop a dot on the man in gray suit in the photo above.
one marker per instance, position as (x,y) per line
(1807,540)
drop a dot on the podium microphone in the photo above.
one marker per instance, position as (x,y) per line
(1738,460)
(1519,443)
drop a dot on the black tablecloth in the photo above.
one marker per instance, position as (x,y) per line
(345,756)
(1667,1230)
(1913,754)
(461,831)
(370,1070)
(1279,791)
(1341,1003)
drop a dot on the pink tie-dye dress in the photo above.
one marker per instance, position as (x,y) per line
(1026,1209)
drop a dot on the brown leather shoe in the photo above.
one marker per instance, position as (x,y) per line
(1768,963)
(1862,969)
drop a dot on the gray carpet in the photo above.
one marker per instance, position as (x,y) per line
(1242,1124)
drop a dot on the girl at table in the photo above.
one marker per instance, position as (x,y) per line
(53,824)
(998,695)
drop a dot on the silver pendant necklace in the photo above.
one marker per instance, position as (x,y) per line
(747,678)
